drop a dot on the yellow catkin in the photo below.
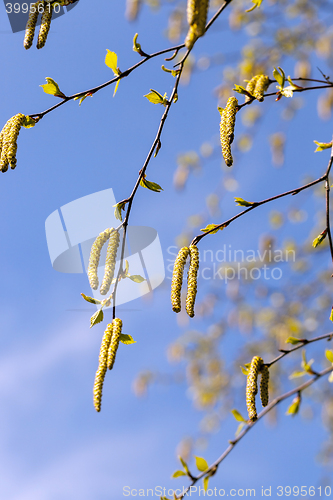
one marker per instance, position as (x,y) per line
(251,86)
(117,325)
(31,24)
(110,262)
(95,255)
(227,126)
(45,25)
(261,86)
(264,393)
(192,280)
(197,11)
(177,278)
(102,367)
(252,387)
(8,141)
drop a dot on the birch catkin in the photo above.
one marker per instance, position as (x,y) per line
(251,86)
(8,141)
(45,25)
(102,367)
(261,86)
(177,278)
(252,387)
(31,25)
(264,394)
(197,11)
(192,280)
(95,255)
(110,262)
(117,325)
(227,127)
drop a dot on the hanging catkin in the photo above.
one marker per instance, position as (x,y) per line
(117,325)
(177,278)
(192,280)
(227,127)
(45,25)
(252,387)
(197,11)
(102,367)
(95,255)
(110,262)
(8,141)
(251,86)
(31,24)
(264,393)
(261,86)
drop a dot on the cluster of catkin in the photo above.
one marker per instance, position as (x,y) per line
(8,141)
(196,17)
(177,279)
(257,86)
(227,127)
(257,366)
(107,356)
(112,235)
(46,9)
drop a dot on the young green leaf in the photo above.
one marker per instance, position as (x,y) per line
(331,316)
(111,60)
(293,340)
(184,464)
(158,147)
(178,473)
(82,97)
(211,226)
(51,87)
(329,355)
(245,368)
(240,428)
(90,299)
(330,378)
(150,185)
(297,374)
(126,339)
(220,110)
(96,318)
(242,203)
(238,416)
(136,278)
(257,3)
(241,90)
(294,407)
(319,238)
(279,77)
(174,72)
(117,211)
(136,45)
(322,145)
(29,122)
(156,98)
(205,482)
(201,464)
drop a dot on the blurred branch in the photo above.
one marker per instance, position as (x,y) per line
(327,185)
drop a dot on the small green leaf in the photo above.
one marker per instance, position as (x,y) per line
(96,318)
(279,77)
(201,464)
(150,185)
(175,98)
(136,45)
(158,147)
(240,428)
(322,145)
(29,122)
(136,278)
(319,238)
(329,355)
(117,211)
(294,407)
(111,60)
(293,340)
(331,316)
(257,3)
(220,110)
(242,203)
(126,339)
(330,378)
(211,226)
(174,72)
(82,97)
(155,97)
(51,87)
(205,482)
(238,416)
(184,464)
(178,473)
(245,368)
(90,299)
(241,90)
(116,88)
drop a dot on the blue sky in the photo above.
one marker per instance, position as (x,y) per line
(53,443)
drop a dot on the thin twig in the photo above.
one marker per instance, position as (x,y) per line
(327,185)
